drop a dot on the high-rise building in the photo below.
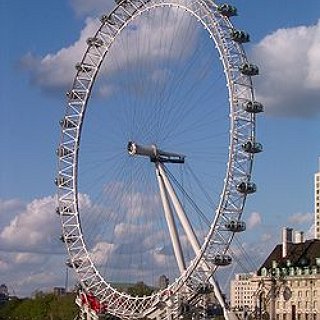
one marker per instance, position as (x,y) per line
(317,204)
(163,282)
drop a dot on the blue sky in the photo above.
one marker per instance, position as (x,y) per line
(285,43)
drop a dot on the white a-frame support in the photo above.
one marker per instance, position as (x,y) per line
(166,190)
(170,222)
(159,157)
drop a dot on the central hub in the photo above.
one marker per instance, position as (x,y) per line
(155,154)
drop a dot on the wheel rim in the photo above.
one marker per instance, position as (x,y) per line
(229,207)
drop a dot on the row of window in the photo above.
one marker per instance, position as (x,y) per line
(299,304)
(299,316)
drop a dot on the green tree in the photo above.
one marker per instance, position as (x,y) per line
(42,307)
(139,289)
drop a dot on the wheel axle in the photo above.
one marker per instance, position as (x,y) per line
(155,154)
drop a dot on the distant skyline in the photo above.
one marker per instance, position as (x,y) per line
(42,41)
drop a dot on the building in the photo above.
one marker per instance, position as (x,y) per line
(242,291)
(4,293)
(59,291)
(317,204)
(163,282)
(287,283)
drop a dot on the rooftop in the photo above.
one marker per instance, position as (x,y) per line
(299,255)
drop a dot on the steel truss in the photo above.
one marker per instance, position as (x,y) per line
(213,252)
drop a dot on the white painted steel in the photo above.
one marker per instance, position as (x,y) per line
(242,127)
(186,225)
(170,222)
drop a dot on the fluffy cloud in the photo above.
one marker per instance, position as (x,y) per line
(289,61)
(56,71)
(84,7)
(310,232)
(142,42)
(301,218)
(254,220)
(31,254)
(9,209)
(33,229)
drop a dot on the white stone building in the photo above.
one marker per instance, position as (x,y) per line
(242,291)
(287,285)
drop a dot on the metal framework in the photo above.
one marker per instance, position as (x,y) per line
(227,221)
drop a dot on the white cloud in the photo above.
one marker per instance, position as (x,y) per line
(289,61)
(29,258)
(31,254)
(310,232)
(56,71)
(85,7)
(3,265)
(33,229)
(301,218)
(254,220)
(101,252)
(267,237)
(9,209)
(143,44)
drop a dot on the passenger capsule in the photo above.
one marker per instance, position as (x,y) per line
(221,259)
(81,67)
(68,239)
(63,152)
(71,95)
(95,42)
(204,288)
(252,147)
(227,10)
(253,107)
(249,69)
(246,187)
(67,123)
(62,182)
(75,263)
(236,226)
(65,211)
(240,36)
(76,95)
(107,19)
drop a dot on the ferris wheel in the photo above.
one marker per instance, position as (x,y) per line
(156,153)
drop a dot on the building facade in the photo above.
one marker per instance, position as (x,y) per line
(4,293)
(242,291)
(287,285)
(317,205)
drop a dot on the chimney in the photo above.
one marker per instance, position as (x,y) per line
(286,240)
(299,237)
